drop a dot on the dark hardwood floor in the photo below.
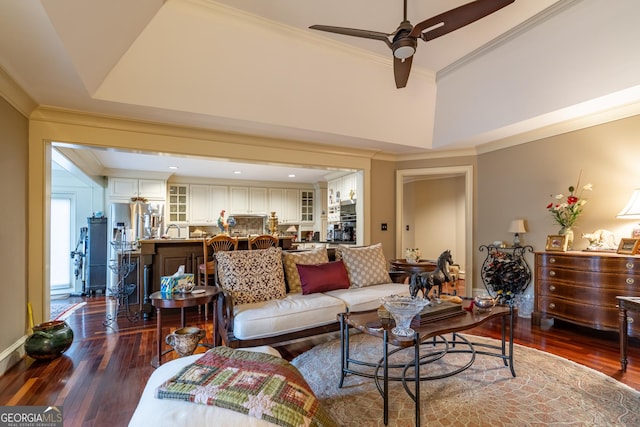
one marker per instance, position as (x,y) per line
(99,379)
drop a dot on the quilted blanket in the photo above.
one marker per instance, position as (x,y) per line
(256,384)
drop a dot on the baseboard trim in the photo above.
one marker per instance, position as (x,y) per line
(12,355)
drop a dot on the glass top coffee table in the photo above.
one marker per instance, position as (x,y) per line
(422,349)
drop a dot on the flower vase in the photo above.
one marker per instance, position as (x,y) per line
(567,231)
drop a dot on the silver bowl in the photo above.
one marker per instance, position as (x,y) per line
(484,302)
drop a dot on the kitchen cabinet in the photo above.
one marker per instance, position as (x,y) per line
(349,186)
(248,200)
(126,188)
(581,287)
(178,204)
(206,202)
(342,188)
(285,202)
(307,206)
(258,200)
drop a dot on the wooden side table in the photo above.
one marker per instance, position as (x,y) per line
(181,301)
(625,304)
(409,268)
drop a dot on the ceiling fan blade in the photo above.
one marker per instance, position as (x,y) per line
(401,70)
(365,34)
(456,18)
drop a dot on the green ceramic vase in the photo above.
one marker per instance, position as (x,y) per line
(49,340)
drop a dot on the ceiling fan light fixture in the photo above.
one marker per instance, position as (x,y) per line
(404,48)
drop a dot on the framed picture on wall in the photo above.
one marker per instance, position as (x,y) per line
(628,246)
(556,243)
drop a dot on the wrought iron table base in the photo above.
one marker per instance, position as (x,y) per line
(418,360)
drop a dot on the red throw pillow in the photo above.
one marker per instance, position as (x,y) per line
(323,277)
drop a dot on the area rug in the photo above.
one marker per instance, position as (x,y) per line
(547,391)
(62,311)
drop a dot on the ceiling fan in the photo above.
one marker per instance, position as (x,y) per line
(404,40)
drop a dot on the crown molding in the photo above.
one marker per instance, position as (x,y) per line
(11,92)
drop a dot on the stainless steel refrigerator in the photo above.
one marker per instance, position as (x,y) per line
(133,221)
(129,222)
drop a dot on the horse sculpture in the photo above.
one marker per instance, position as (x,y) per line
(426,281)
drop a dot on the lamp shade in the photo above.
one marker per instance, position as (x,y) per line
(292,229)
(517,226)
(632,210)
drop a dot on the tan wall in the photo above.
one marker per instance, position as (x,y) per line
(383,196)
(517,183)
(13,231)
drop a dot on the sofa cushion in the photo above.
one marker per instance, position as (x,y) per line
(323,277)
(291,259)
(366,265)
(252,276)
(368,298)
(293,313)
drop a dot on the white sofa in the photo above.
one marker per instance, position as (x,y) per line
(256,307)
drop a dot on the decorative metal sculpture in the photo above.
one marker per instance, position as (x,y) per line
(120,291)
(505,273)
(427,280)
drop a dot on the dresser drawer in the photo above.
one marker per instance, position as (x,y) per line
(621,282)
(595,263)
(581,294)
(594,316)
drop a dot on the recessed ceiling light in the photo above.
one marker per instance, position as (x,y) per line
(173,167)
(292,175)
(237,172)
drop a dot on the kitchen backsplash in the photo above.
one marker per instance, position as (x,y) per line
(245,225)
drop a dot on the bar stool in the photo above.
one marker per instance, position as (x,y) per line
(263,241)
(208,268)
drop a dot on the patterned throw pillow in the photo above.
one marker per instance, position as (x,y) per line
(291,259)
(366,266)
(252,276)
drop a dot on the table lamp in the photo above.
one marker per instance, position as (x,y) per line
(292,229)
(517,227)
(632,211)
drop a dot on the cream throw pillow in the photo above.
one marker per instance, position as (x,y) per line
(291,259)
(252,276)
(366,266)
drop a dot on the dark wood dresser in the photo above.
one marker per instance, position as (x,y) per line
(581,287)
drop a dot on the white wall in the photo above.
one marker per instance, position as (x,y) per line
(89,199)
(544,75)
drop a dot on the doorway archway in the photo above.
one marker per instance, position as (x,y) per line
(463,212)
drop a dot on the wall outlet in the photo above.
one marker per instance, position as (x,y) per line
(383,226)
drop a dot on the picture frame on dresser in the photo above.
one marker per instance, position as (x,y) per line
(556,243)
(628,246)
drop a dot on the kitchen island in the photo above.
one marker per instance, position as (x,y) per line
(163,257)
